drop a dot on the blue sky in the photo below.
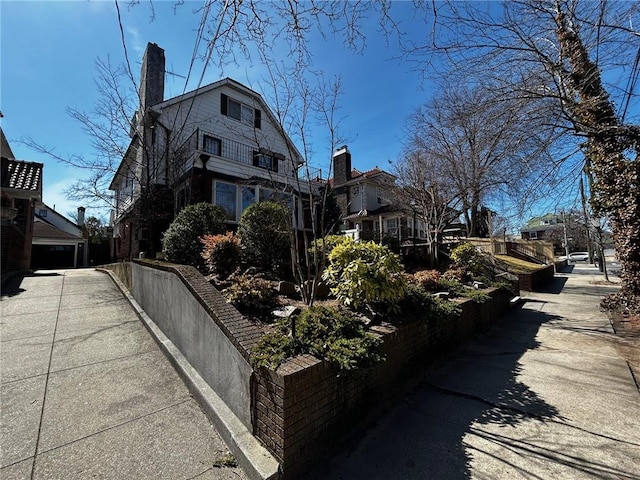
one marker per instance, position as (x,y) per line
(48,56)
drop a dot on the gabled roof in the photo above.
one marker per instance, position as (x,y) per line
(231,83)
(56,213)
(126,161)
(43,229)
(376,174)
(22,177)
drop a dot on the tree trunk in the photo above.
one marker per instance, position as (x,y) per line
(615,189)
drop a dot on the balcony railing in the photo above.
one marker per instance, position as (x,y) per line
(229,149)
(123,206)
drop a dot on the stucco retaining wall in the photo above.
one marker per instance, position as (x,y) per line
(212,335)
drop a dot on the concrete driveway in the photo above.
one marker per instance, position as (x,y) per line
(86,393)
(547,394)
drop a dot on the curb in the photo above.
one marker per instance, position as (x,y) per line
(254,459)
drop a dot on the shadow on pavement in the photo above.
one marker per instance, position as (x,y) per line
(555,286)
(11,287)
(567,269)
(462,412)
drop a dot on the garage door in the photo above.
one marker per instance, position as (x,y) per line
(46,257)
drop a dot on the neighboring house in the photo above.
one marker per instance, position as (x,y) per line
(542,228)
(57,241)
(547,227)
(21,189)
(369,205)
(219,144)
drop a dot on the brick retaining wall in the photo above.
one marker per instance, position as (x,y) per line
(535,281)
(302,408)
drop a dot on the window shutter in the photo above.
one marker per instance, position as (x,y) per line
(256,162)
(257,118)
(275,164)
(223,104)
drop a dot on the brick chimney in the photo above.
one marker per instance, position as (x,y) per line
(152,77)
(81,211)
(341,166)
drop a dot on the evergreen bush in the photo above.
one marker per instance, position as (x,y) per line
(252,295)
(264,234)
(361,273)
(181,242)
(335,335)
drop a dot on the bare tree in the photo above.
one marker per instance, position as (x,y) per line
(479,146)
(583,57)
(300,107)
(432,196)
(108,125)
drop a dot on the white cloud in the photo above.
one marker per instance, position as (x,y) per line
(53,195)
(135,40)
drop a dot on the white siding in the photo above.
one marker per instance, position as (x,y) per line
(204,114)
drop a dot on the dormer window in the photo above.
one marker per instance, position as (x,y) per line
(239,111)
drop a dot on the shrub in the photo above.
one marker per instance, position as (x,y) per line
(456,275)
(457,289)
(418,304)
(328,333)
(181,241)
(273,348)
(477,296)
(330,242)
(251,295)
(444,310)
(221,253)
(264,232)
(427,279)
(363,273)
(454,287)
(414,304)
(469,259)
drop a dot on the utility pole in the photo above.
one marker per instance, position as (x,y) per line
(566,242)
(586,220)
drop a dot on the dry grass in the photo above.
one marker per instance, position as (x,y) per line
(519,266)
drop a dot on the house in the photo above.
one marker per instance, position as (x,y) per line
(550,227)
(369,203)
(57,241)
(21,189)
(545,227)
(219,143)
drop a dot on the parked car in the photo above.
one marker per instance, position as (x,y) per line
(579,257)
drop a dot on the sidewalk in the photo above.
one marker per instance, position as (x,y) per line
(86,393)
(544,395)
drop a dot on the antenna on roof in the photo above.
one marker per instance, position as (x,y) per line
(167,72)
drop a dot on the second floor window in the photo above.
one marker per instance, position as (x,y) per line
(211,145)
(268,162)
(239,111)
